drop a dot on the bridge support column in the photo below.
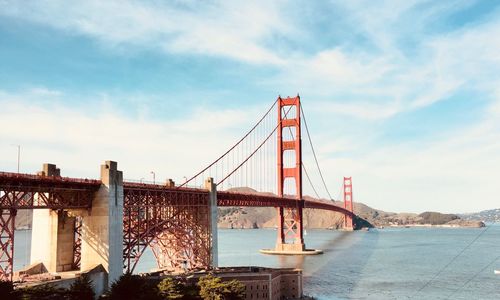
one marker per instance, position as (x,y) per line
(290,222)
(102,227)
(52,240)
(52,235)
(348,221)
(212,188)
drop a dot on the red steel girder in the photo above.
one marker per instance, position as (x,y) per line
(173,221)
(7,218)
(77,245)
(25,191)
(258,200)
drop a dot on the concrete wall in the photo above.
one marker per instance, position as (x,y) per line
(102,228)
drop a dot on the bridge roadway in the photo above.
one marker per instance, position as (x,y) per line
(17,191)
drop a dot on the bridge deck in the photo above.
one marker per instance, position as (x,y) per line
(17,192)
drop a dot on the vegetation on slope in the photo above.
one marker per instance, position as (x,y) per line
(209,287)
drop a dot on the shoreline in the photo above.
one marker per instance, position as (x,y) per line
(375,227)
(433,226)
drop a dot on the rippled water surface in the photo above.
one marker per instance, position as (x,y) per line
(378,264)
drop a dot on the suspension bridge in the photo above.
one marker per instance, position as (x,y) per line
(111,221)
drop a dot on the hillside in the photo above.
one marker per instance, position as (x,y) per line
(490,216)
(258,217)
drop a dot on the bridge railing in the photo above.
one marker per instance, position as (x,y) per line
(43,178)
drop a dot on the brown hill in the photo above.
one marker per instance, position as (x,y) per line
(265,217)
(262,217)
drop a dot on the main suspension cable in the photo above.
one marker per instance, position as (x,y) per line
(304,167)
(314,153)
(310,182)
(257,149)
(230,149)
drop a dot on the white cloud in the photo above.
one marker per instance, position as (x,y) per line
(79,139)
(221,28)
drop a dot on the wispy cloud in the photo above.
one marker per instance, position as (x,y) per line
(221,28)
(381,82)
(80,138)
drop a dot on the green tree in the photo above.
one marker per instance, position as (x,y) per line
(81,289)
(213,288)
(170,288)
(134,287)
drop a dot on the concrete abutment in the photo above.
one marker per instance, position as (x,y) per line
(102,227)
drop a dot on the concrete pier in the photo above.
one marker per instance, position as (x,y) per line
(52,240)
(102,227)
(52,235)
(212,188)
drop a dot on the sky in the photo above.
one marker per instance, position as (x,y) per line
(404,96)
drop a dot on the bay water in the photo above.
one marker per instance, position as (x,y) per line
(392,263)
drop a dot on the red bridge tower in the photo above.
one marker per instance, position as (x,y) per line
(290,221)
(348,221)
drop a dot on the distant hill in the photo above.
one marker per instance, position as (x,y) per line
(258,217)
(490,216)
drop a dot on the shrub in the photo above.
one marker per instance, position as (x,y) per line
(170,288)
(213,288)
(81,289)
(134,287)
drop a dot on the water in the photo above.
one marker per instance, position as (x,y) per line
(378,264)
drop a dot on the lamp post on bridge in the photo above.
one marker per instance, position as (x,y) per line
(154,179)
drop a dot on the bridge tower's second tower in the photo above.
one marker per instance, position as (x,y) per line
(348,221)
(290,220)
